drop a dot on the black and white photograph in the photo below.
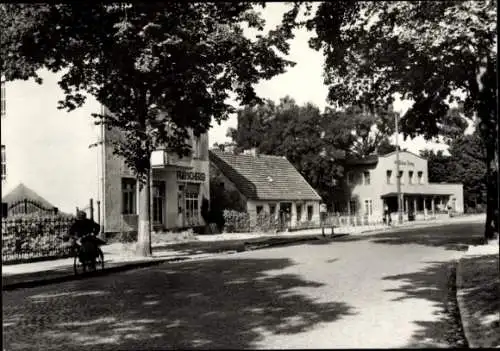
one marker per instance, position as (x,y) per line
(249,175)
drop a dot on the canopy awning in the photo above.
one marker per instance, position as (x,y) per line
(416,193)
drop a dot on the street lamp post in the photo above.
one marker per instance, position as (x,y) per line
(398,178)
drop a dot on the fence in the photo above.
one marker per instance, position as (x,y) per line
(31,239)
(27,206)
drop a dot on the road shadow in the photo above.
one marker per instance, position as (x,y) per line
(435,283)
(451,237)
(211,304)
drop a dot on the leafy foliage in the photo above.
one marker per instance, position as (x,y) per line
(34,236)
(160,69)
(466,165)
(433,53)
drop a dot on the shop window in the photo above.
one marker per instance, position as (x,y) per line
(299,213)
(128,196)
(310,211)
(4,163)
(192,205)
(366,176)
(401,179)
(420,176)
(368,207)
(410,177)
(388,176)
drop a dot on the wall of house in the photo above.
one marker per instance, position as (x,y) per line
(115,169)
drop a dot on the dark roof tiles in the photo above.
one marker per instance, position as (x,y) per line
(264,177)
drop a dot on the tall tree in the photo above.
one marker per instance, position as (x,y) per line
(433,53)
(159,68)
(440,167)
(297,132)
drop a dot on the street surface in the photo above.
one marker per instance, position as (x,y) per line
(386,290)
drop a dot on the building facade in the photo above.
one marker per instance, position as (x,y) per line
(180,185)
(266,184)
(371,184)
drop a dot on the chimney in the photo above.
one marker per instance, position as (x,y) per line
(254,152)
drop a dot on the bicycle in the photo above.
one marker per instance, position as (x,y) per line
(87,256)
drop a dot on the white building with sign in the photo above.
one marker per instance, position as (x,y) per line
(371,184)
(179,187)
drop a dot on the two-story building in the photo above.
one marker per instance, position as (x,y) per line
(371,183)
(178,189)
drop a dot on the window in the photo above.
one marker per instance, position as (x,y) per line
(192,204)
(350,177)
(3,105)
(388,176)
(4,163)
(368,207)
(259,209)
(128,196)
(353,207)
(158,202)
(299,213)
(410,177)
(272,210)
(366,175)
(401,179)
(310,211)
(196,147)
(419,175)
(5,209)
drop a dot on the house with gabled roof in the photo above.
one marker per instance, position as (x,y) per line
(269,184)
(23,200)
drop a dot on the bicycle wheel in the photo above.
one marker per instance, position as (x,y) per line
(78,266)
(99,262)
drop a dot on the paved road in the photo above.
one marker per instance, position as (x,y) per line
(386,290)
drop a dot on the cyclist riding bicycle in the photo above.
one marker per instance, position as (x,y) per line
(83,234)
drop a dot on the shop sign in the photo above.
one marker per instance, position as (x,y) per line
(405,163)
(191,176)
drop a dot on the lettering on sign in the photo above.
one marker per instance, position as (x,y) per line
(405,163)
(191,176)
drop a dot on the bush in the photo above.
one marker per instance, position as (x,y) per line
(236,222)
(34,235)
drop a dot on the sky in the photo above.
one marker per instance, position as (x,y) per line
(48,149)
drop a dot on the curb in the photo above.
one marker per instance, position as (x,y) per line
(245,246)
(461,305)
(71,277)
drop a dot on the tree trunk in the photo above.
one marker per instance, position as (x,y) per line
(486,88)
(144,224)
(491,228)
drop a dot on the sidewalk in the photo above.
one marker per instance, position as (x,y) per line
(478,295)
(122,256)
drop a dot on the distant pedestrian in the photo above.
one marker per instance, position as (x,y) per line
(387,215)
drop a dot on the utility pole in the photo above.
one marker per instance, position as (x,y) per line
(398,178)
